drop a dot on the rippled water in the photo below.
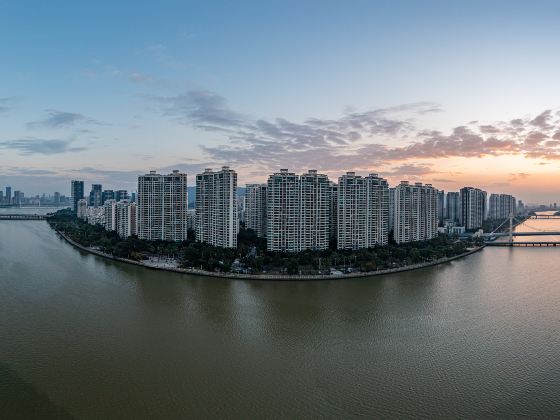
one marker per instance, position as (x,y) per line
(89,338)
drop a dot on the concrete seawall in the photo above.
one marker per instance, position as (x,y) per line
(271,277)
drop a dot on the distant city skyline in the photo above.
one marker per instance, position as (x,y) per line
(462,94)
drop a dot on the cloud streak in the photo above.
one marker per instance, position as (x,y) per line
(33,146)
(360,140)
(60,119)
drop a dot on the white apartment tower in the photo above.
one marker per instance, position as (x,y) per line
(363,211)
(255,208)
(315,205)
(162,206)
(126,218)
(110,211)
(217,220)
(283,204)
(415,212)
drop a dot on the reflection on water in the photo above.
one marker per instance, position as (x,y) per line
(477,337)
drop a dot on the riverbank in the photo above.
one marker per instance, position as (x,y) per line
(283,277)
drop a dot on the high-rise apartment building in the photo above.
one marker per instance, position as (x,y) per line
(415,212)
(77,193)
(81,210)
(126,218)
(453,207)
(298,211)
(18,198)
(315,204)
(95,198)
(121,195)
(500,206)
(283,212)
(363,211)
(110,214)
(473,207)
(107,195)
(162,202)
(333,221)
(255,208)
(440,206)
(217,220)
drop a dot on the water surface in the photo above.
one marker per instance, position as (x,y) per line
(90,338)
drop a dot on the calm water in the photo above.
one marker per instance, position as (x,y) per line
(88,338)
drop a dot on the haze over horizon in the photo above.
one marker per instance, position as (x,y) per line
(450,94)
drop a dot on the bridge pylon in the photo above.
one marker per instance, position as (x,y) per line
(510,227)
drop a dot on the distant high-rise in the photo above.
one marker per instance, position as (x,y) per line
(77,193)
(415,212)
(57,198)
(81,211)
(121,195)
(110,212)
(18,198)
(333,216)
(255,208)
(473,207)
(8,195)
(453,207)
(217,220)
(95,195)
(162,206)
(500,206)
(363,211)
(107,195)
(441,206)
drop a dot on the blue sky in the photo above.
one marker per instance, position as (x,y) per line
(106,90)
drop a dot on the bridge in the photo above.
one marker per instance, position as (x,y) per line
(23,216)
(545,216)
(490,238)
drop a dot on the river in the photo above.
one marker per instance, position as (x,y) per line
(89,338)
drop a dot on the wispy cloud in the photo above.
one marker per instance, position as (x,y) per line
(356,139)
(61,119)
(7,103)
(33,146)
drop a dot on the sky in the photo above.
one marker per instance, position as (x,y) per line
(452,93)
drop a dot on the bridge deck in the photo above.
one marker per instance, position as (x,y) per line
(23,217)
(531,244)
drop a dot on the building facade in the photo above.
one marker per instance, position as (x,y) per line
(363,211)
(217,220)
(453,207)
(415,212)
(255,208)
(473,207)
(77,193)
(162,204)
(283,221)
(126,219)
(500,206)
(81,211)
(95,195)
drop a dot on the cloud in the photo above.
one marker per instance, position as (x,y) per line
(61,119)
(362,140)
(7,103)
(201,108)
(32,146)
